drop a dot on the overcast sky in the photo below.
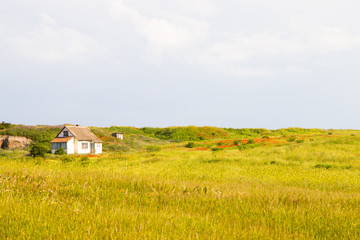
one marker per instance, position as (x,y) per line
(230,63)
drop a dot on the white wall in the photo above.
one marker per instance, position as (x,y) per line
(98,148)
(80,150)
(70,147)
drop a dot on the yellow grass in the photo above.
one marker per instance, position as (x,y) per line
(297,191)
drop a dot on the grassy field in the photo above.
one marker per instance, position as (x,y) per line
(307,188)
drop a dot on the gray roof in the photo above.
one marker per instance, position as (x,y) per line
(83,134)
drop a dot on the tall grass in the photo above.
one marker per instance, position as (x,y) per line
(268,192)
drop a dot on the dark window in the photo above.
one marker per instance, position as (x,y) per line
(66,133)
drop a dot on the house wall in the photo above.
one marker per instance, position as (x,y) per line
(70,147)
(76,145)
(118,135)
(98,148)
(56,146)
(61,134)
(80,149)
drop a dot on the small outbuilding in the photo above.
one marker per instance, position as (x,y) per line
(77,139)
(118,135)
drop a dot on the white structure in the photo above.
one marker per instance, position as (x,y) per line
(77,139)
(118,135)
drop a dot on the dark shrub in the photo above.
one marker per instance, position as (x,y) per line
(219,143)
(291,139)
(190,145)
(236,142)
(300,140)
(326,166)
(60,151)
(5,125)
(38,150)
(215,149)
(330,133)
(85,161)
(250,141)
(246,146)
(153,148)
(66,159)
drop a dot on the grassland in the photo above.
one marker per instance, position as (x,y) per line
(277,189)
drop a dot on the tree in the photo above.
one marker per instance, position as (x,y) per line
(4,125)
(38,150)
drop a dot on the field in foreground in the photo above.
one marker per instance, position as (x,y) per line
(304,190)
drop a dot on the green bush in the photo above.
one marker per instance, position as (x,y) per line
(215,149)
(190,145)
(236,142)
(326,166)
(5,125)
(330,133)
(300,140)
(250,141)
(246,146)
(67,159)
(85,161)
(153,148)
(38,150)
(291,139)
(219,143)
(60,151)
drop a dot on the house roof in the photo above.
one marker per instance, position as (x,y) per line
(61,140)
(83,134)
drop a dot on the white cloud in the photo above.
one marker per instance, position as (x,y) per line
(50,43)
(233,54)
(202,8)
(165,37)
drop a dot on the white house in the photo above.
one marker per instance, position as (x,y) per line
(77,139)
(118,135)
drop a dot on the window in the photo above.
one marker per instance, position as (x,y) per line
(84,146)
(98,145)
(66,133)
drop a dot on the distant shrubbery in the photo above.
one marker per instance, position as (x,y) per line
(291,139)
(38,150)
(216,149)
(190,145)
(5,125)
(37,134)
(153,148)
(190,133)
(262,132)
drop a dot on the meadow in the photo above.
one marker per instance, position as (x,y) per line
(307,187)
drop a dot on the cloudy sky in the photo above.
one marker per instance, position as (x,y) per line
(230,63)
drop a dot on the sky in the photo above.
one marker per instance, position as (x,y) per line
(231,63)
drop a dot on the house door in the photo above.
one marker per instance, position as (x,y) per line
(92,147)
